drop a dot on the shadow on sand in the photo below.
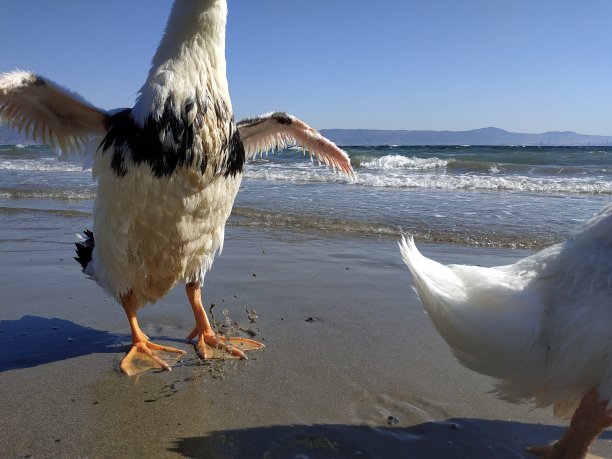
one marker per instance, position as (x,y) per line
(32,341)
(454,438)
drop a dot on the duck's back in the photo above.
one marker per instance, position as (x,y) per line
(575,286)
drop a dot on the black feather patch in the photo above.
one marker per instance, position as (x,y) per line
(279,117)
(235,154)
(144,143)
(84,249)
(126,139)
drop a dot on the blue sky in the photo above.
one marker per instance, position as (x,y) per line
(521,65)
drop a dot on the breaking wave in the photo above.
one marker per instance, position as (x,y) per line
(393,162)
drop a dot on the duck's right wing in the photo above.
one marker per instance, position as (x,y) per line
(47,112)
(278,130)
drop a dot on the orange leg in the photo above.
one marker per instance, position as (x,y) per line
(590,419)
(209,343)
(144,354)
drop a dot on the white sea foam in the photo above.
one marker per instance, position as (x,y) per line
(47,194)
(487,183)
(39,165)
(306,173)
(392,162)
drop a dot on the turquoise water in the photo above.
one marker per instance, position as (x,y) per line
(494,196)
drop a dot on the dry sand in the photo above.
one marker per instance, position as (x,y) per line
(352,367)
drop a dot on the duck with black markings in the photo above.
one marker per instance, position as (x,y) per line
(167,171)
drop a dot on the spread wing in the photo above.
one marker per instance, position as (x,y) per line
(278,130)
(47,112)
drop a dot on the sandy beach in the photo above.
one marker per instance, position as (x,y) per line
(352,366)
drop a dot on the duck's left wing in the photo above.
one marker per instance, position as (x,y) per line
(47,112)
(278,130)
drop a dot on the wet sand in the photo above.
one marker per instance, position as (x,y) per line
(352,366)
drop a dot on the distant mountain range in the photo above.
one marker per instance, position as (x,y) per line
(485,136)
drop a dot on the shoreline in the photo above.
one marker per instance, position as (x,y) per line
(256,219)
(352,365)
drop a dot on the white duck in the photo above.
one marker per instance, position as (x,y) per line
(167,170)
(542,326)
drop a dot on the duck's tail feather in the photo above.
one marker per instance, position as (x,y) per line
(477,313)
(84,249)
(439,291)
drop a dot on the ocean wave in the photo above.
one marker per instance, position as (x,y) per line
(397,162)
(42,165)
(307,174)
(491,181)
(8,193)
(488,183)
(59,212)
(394,162)
(460,166)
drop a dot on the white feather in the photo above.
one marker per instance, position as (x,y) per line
(273,131)
(47,112)
(542,326)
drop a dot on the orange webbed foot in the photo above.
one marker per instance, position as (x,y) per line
(145,355)
(212,346)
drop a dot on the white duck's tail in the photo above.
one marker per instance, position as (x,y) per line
(477,311)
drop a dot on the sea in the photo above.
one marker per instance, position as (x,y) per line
(524,197)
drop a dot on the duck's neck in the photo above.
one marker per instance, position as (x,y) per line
(190,57)
(194,23)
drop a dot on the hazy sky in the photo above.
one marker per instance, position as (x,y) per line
(521,65)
